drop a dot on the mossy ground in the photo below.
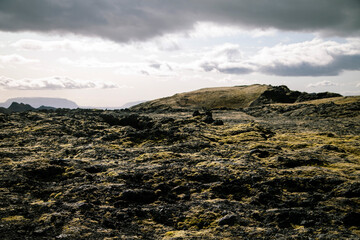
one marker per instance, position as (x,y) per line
(69,174)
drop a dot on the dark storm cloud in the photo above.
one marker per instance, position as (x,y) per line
(229,69)
(124,20)
(334,68)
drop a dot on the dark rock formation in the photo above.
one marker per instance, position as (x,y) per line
(282,94)
(313,96)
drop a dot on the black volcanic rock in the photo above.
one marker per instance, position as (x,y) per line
(282,94)
(286,171)
(133,120)
(314,96)
(352,219)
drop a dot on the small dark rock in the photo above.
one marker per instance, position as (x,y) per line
(133,120)
(45,173)
(331,148)
(110,119)
(352,219)
(111,137)
(353,190)
(228,220)
(167,120)
(218,122)
(196,113)
(208,113)
(208,119)
(260,153)
(180,189)
(60,162)
(95,169)
(138,196)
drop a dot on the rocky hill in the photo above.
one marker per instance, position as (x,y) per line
(231,98)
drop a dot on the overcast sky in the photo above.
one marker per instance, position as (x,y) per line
(109,52)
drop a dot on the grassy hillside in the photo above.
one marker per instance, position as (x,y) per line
(235,98)
(229,97)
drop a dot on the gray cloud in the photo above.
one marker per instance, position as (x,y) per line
(334,68)
(234,68)
(16,59)
(324,83)
(311,58)
(126,20)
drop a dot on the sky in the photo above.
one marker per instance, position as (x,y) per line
(105,53)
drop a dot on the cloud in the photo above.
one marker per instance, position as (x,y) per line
(204,30)
(167,43)
(90,62)
(85,45)
(227,58)
(148,68)
(152,68)
(16,59)
(51,83)
(127,20)
(310,58)
(324,83)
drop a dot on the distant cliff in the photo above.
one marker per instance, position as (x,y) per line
(21,107)
(37,102)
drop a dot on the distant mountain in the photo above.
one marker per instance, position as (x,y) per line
(232,97)
(38,102)
(20,107)
(131,104)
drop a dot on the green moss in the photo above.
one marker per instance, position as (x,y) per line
(13,218)
(199,221)
(156,156)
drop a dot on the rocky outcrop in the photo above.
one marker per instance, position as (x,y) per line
(282,94)
(314,96)
(231,98)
